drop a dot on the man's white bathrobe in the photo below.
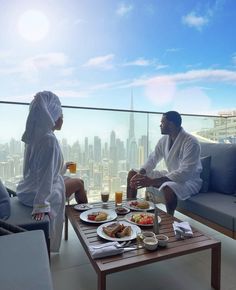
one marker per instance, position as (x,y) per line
(182,162)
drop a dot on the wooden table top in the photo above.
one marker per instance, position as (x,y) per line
(87,233)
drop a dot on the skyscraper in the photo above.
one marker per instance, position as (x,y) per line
(131,142)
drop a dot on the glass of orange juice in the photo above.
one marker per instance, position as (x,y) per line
(72,167)
(118,198)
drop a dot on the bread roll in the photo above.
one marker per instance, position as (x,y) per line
(102,216)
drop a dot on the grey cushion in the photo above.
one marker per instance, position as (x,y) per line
(5,208)
(223,166)
(24,262)
(205,174)
(216,207)
(21,216)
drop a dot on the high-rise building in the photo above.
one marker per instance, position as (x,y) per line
(131,142)
(97,149)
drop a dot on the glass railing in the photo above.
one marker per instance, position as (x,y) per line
(104,143)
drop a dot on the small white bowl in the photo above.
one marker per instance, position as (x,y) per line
(162,240)
(148,234)
(150,244)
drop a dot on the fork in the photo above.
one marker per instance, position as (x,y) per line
(123,244)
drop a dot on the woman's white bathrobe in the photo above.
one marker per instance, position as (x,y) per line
(182,162)
(42,186)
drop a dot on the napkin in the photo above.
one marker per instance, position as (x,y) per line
(105,250)
(182,230)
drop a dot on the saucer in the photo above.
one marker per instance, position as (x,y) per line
(83,206)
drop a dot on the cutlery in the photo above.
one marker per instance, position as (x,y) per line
(133,248)
(124,244)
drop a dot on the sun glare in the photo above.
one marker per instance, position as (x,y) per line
(33,25)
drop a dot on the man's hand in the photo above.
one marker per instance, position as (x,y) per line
(139,181)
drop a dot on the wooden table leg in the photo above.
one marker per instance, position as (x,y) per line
(216,266)
(101,281)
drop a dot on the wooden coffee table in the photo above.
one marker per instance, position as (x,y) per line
(87,234)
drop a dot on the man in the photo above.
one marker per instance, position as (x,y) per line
(181,153)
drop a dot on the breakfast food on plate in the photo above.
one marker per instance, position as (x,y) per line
(142,218)
(117,230)
(121,210)
(140,204)
(97,216)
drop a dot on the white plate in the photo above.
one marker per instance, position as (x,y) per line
(134,231)
(128,218)
(128,204)
(83,206)
(111,215)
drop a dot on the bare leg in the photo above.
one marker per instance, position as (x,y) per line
(170,200)
(131,192)
(76,185)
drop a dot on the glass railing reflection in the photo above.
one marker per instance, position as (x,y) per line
(104,143)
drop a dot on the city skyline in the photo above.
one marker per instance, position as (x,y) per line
(102,165)
(179,55)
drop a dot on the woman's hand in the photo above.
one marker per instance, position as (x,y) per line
(39,216)
(68,164)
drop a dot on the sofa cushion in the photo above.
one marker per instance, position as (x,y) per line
(24,262)
(21,216)
(5,208)
(205,174)
(223,166)
(216,207)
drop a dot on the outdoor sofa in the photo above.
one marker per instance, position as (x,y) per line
(215,204)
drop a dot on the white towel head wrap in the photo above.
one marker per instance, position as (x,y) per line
(45,110)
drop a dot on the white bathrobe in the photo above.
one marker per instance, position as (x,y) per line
(182,162)
(42,186)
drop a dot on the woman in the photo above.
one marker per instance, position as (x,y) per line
(43,186)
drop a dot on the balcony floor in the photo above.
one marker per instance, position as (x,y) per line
(72,270)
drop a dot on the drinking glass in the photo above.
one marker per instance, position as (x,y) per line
(72,167)
(118,198)
(104,197)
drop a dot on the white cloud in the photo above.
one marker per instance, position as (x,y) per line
(213,75)
(123,9)
(71,93)
(161,66)
(192,100)
(160,90)
(195,21)
(165,90)
(67,71)
(139,62)
(102,62)
(47,60)
(28,69)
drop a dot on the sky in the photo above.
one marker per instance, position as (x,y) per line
(169,54)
